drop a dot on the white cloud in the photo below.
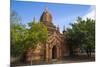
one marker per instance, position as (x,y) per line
(91,14)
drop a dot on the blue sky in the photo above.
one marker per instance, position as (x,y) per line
(62,14)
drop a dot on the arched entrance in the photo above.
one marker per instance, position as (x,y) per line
(54,52)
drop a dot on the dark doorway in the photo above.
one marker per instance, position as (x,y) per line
(54,52)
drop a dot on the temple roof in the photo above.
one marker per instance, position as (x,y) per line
(46,17)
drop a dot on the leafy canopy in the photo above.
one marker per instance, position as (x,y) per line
(23,38)
(81,34)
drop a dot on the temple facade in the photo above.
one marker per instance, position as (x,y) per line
(54,47)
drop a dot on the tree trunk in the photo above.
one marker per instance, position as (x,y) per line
(88,52)
(71,52)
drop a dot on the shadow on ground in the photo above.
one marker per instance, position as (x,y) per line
(66,59)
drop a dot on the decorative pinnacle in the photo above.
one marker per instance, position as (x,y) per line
(64,27)
(58,27)
(46,8)
(34,19)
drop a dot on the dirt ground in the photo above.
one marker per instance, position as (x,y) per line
(67,59)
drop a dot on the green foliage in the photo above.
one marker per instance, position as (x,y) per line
(23,38)
(17,36)
(37,34)
(81,34)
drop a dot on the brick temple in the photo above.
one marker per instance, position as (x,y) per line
(54,48)
(55,44)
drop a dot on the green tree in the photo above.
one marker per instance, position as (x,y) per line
(81,34)
(17,34)
(24,38)
(37,33)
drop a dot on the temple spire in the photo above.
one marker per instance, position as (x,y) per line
(64,30)
(46,9)
(46,17)
(34,19)
(58,28)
